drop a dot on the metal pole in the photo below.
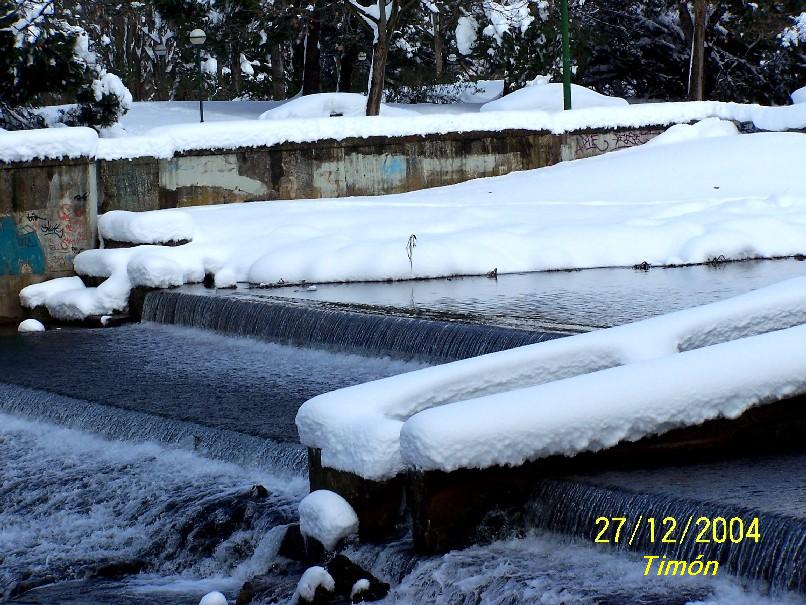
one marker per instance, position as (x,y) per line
(201,89)
(566,55)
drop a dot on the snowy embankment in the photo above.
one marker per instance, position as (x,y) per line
(166,141)
(694,194)
(581,393)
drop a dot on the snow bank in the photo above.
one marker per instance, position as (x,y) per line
(327,104)
(598,410)
(799,96)
(54,143)
(549,97)
(30,325)
(359,428)
(327,517)
(313,578)
(146,227)
(681,206)
(167,141)
(712,127)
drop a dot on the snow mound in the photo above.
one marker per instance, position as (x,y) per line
(328,104)
(799,96)
(710,128)
(549,97)
(54,143)
(359,428)
(313,578)
(37,294)
(213,598)
(327,517)
(360,586)
(155,271)
(155,227)
(30,325)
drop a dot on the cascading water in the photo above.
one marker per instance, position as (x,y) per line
(777,559)
(313,325)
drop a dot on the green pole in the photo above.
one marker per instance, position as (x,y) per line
(566,56)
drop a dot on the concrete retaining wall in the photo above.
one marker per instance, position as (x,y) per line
(48,209)
(329,168)
(47,216)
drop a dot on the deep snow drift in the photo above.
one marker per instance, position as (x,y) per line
(697,193)
(580,393)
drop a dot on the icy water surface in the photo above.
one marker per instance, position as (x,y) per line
(594,297)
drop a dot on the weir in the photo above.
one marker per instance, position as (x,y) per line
(137,427)
(318,325)
(777,559)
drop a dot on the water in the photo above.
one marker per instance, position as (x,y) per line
(231,384)
(563,300)
(336,329)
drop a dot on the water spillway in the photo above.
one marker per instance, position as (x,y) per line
(310,324)
(685,528)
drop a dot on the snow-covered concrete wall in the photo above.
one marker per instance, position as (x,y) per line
(48,212)
(350,167)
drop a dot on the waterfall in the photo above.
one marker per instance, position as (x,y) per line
(128,425)
(309,324)
(778,559)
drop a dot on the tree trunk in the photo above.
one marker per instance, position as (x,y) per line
(348,60)
(312,76)
(380,51)
(298,66)
(696,84)
(438,45)
(277,72)
(236,69)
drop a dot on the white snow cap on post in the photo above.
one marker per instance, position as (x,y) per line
(327,517)
(30,325)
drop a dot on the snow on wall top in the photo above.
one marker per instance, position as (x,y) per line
(358,429)
(47,143)
(165,142)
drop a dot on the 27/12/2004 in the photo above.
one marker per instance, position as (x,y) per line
(670,530)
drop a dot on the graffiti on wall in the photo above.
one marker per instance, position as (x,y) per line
(62,232)
(596,143)
(20,250)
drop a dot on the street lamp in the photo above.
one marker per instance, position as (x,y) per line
(197,38)
(160,50)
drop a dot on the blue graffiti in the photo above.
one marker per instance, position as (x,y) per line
(19,252)
(394,167)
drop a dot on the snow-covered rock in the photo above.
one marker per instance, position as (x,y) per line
(549,97)
(360,586)
(37,294)
(799,96)
(327,104)
(213,598)
(311,580)
(30,325)
(359,428)
(146,227)
(327,517)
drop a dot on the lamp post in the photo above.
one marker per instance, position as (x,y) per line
(197,38)
(160,50)
(566,55)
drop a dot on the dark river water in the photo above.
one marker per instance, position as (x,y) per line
(128,458)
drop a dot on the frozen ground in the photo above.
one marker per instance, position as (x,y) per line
(665,203)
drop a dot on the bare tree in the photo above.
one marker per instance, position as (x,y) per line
(382,18)
(696,21)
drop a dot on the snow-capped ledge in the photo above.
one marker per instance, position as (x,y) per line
(581,393)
